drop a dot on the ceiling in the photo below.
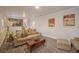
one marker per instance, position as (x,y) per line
(43,10)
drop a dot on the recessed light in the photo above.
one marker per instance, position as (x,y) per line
(37,7)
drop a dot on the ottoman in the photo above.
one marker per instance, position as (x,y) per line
(75,43)
(63,44)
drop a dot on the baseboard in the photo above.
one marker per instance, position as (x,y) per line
(48,36)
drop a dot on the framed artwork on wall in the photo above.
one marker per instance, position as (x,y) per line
(51,22)
(15,22)
(69,20)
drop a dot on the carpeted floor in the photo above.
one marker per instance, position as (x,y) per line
(49,47)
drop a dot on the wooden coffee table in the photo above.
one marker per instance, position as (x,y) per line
(31,44)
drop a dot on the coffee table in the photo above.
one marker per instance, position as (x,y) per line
(31,44)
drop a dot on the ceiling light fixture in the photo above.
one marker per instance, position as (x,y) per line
(37,7)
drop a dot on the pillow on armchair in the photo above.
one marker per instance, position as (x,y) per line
(21,33)
(18,33)
(10,37)
(29,31)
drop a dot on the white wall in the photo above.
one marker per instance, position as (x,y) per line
(15,12)
(59,31)
(12,12)
(41,23)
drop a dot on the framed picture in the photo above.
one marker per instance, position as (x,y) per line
(51,22)
(15,22)
(69,20)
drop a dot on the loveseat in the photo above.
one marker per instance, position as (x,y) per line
(19,37)
(22,40)
(23,35)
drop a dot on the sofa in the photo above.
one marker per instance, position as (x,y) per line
(23,35)
(22,40)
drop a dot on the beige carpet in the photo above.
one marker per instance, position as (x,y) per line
(49,47)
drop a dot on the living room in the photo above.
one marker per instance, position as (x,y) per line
(39,29)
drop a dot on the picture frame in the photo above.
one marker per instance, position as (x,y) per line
(15,22)
(69,20)
(51,22)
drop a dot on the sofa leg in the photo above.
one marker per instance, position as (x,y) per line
(30,50)
(77,51)
(71,45)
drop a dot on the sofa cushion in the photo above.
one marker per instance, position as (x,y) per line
(29,37)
